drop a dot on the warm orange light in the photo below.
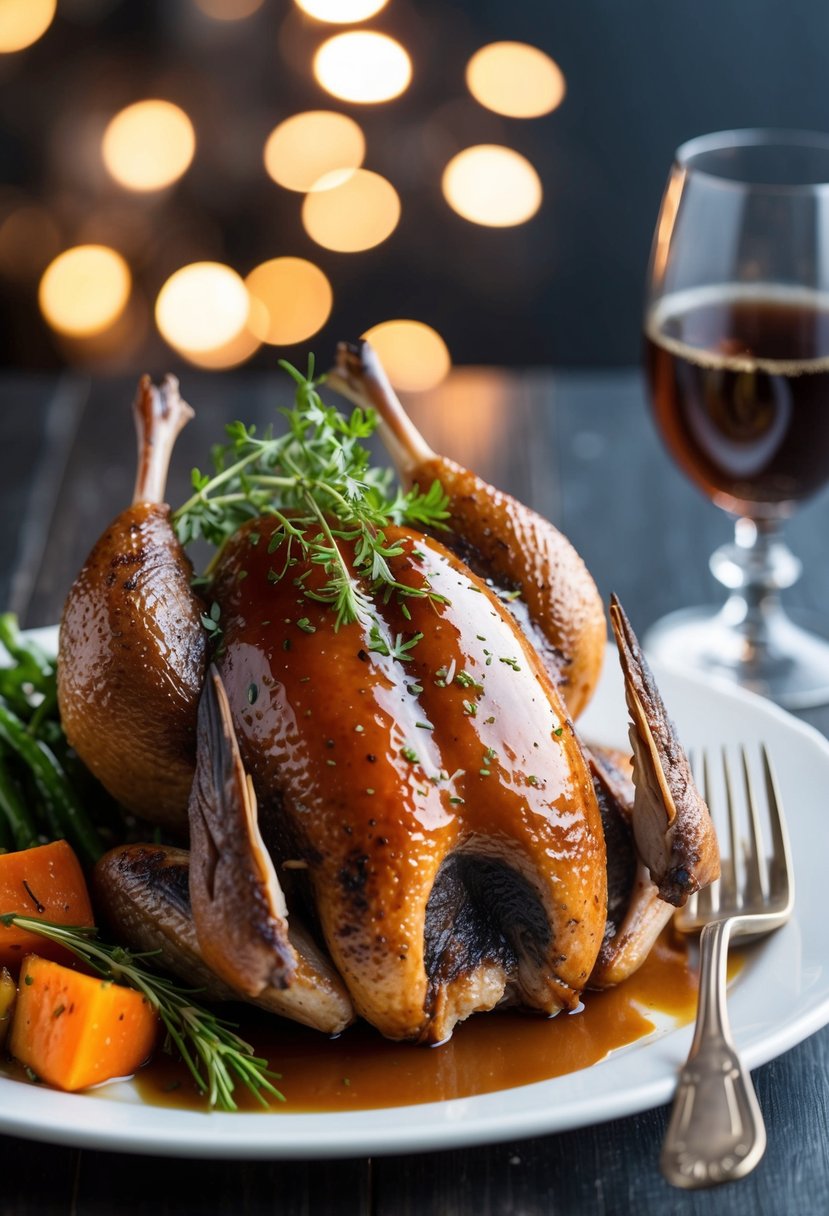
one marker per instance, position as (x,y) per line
(492,185)
(84,290)
(290,300)
(515,79)
(202,307)
(363,66)
(414,355)
(22,22)
(341,12)
(229,10)
(231,354)
(351,211)
(305,147)
(148,145)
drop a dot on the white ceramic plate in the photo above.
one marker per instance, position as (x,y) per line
(781,996)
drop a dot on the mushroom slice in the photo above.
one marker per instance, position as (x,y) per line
(671,825)
(143,889)
(239,909)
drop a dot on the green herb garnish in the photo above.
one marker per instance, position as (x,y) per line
(216,1057)
(317,481)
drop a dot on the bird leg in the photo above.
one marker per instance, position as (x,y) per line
(160,414)
(360,377)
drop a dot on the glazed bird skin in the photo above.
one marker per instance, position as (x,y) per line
(380,768)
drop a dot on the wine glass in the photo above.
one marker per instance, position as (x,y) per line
(737,356)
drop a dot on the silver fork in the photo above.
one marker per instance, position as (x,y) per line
(716,1131)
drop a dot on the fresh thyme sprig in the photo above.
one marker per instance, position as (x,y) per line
(216,1057)
(317,480)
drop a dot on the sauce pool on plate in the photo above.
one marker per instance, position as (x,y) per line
(359,1070)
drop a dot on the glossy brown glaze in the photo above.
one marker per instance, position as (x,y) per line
(359,1070)
(498,536)
(506,541)
(131,654)
(383,771)
(131,664)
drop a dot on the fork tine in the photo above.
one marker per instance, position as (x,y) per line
(780,870)
(730,865)
(756,876)
(709,897)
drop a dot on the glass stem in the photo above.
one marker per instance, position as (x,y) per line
(756,567)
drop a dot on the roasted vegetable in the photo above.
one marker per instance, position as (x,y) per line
(45,883)
(76,1030)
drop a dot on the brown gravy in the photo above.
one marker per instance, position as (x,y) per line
(360,1070)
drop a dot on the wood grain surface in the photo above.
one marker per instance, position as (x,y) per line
(581,449)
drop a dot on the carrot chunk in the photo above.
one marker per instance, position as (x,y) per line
(47,883)
(8,991)
(77,1030)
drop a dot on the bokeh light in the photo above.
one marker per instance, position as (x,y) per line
(202,308)
(84,290)
(291,299)
(349,212)
(341,12)
(492,185)
(229,354)
(22,22)
(229,10)
(363,66)
(148,145)
(306,146)
(414,355)
(515,79)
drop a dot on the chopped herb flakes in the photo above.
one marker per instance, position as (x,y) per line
(513,663)
(467,681)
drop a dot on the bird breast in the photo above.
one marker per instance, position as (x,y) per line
(407,768)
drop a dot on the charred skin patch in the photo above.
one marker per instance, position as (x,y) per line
(479,911)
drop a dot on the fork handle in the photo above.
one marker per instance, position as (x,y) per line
(716,1131)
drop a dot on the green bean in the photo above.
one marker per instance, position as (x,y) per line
(37,666)
(14,813)
(59,799)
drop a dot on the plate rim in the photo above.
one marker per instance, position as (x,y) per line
(97,1121)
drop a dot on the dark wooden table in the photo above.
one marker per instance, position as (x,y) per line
(579,448)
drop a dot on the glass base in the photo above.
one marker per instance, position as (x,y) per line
(791,666)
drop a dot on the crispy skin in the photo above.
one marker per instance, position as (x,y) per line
(238,906)
(143,891)
(131,665)
(503,540)
(636,914)
(499,537)
(674,834)
(381,769)
(131,655)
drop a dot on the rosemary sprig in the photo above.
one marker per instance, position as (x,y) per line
(215,1056)
(320,471)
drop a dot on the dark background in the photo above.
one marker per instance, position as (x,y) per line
(563,289)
